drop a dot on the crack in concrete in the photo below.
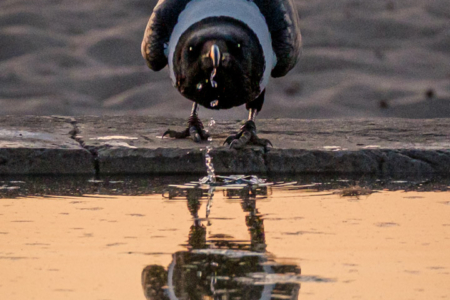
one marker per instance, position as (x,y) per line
(418,158)
(436,165)
(413,161)
(74,135)
(265,161)
(381,162)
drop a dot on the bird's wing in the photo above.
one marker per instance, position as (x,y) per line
(283,22)
(281,17)
(158,31)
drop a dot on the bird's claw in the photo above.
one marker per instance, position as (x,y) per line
(194,130)
(176,134)
(229,140)
(198,134)
(247,136)
(263,142)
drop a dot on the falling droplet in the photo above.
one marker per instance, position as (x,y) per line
(214,103)
(209,165)
(213,74)
(209,203)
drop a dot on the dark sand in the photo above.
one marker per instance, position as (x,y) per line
(361,59)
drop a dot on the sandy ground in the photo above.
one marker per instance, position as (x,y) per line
(361,58)
(389,245)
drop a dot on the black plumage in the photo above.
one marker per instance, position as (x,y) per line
(239,73)
(222,60)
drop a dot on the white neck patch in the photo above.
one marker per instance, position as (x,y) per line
(241,10)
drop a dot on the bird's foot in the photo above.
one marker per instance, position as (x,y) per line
(247,136)
(194,130)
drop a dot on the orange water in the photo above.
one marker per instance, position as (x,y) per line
(388,245)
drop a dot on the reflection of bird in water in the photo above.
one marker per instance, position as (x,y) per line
(222,268)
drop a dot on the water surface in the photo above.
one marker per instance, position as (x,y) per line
(294,242)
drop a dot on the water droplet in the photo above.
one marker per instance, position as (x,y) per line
(214,103)
(211,122)
(209,165)
(210,198)
(199,86)
(213,74)
(210,139)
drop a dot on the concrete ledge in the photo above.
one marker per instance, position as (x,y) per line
(133,145)
(30,161)
(41,145)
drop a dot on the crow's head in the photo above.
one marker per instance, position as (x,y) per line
(218,63)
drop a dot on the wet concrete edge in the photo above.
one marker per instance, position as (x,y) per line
(277,161)
(31,145)
(88,159)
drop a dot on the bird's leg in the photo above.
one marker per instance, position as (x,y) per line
(247,133)
(194,128)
